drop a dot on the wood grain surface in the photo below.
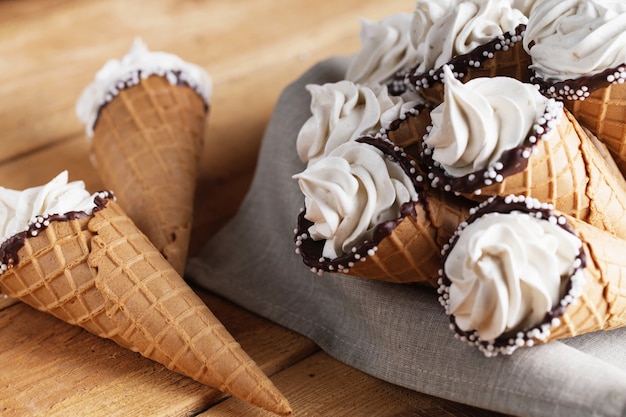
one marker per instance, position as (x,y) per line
(49,51)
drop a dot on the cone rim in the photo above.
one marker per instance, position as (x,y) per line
(10,246)
(461,64)
(578,89)
(511,341)
(511,162)
(311,250)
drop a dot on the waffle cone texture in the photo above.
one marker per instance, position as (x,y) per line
(504,56)
(603,112)
(569,172)
(101,272)
(602,304)
(411,253)
(146,146)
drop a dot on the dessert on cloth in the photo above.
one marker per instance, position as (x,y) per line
(518,273)
(578,55)
(344,111)
(80,258)
(145,116)
(500,136)
(365,216)
(477,38)
(398,333)
(386,55)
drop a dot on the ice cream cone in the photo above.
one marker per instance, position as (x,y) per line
(503,56)
(590,296)
(408,133)
(146,147)
(101,272)
(602,304)
(603,112)
(564,169)
(406,250)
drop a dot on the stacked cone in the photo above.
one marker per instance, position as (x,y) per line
(102,273)
(569,172)
(408,133)
(602,304)
(411,253)
(503,56)
(603,112)
(146,146)
(592,299)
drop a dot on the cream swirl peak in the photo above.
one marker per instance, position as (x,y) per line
(524,6)
(344,111)
(445,29)
(351,191)
(18,209)
(509,270)
(570,39)
(511,265)
(386,50)
(138,63)
(479,120)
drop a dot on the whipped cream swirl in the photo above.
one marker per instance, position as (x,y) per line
(479,120)
(444,29)
(386,50)
(349,192)
(19,208)
(524,6)
(569,39)
(507,271)
(138,63)
(344,111)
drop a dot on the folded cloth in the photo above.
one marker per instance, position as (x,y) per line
(395,332)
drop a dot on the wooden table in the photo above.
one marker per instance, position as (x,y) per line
(49,51)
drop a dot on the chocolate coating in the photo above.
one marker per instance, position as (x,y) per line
(10,247)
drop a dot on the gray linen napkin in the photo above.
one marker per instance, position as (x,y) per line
(397,333)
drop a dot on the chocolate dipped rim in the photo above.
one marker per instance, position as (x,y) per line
(408,131)
(512,161)
(400,83)
(460,64)
(177,78)
(580,88)
(10,247)
(508,343)
(311,250)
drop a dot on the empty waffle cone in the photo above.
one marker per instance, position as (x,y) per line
(503,56)
(602,304)
(146,146)
(567,170)
(408,250)
(100,272)
(603,112)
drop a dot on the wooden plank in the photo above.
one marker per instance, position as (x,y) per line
(49,51)
(44,67)
(322,386)
(6,301)
(44,64)
(54,369)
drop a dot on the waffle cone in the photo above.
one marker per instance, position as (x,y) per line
(602,305)
(570,173)
(510,61)
(408,133)
(101,272)
(411,253)
(603,112)
(146,147)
